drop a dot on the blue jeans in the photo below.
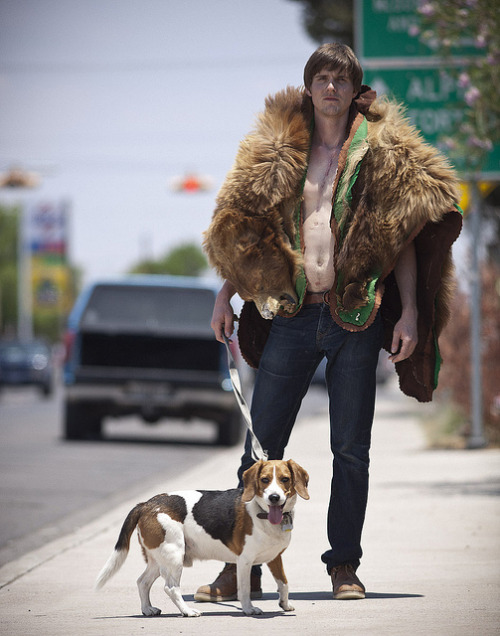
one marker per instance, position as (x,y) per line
(293,351)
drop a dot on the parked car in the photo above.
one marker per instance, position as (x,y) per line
(143,345)
(26,364)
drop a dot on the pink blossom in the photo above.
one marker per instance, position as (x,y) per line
(480,41)
(450,143)
(427,9)
(463,80)
(414,30)
(472,95)
(484,144)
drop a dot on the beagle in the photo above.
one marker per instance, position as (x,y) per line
(245,526)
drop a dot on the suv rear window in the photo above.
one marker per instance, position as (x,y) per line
(157,309)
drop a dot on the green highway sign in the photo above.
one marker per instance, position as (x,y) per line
(385,26)
(433,100)
(396,63)
(384,30)
(429,94)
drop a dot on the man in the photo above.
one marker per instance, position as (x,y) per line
(376,210)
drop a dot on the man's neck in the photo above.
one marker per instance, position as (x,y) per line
(330,132)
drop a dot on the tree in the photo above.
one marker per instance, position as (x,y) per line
(184,260)
(446,25)
(327,21)
(455,344)
(8,268)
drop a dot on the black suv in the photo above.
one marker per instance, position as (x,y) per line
(143,345)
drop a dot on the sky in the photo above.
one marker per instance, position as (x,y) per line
(109,100)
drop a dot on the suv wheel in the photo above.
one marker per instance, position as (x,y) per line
(80,422)
(230,428)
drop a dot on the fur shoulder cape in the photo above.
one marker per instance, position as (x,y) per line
(391,188)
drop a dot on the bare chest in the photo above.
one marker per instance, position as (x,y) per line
(318,188)
(319,242)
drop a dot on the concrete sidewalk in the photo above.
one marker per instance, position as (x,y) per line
(431,541)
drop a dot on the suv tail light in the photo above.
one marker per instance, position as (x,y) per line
(68,342)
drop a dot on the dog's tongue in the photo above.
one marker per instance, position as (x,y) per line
(275,515)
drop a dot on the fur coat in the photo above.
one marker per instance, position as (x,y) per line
(391,188)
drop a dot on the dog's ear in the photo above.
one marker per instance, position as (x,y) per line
(300,478)
(250,477)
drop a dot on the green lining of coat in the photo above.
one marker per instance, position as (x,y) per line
(439,360)
(360,315)
(348,178)
(357,151)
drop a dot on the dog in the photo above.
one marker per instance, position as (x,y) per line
(246,526)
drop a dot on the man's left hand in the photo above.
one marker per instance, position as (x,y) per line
(404,339)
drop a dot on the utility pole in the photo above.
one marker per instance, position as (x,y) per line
(19,179)
(476,439)
(24,293)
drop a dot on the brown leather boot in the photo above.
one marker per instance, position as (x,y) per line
(346,585)
(225,587)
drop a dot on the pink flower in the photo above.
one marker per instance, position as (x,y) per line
(463,80)
(427,9)
(450,143)
(480,42)
(472,95)
(475,142)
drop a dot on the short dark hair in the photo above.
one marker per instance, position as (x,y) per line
(334,56)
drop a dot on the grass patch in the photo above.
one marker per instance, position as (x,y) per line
(446,427)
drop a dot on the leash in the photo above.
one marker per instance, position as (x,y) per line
(257,451)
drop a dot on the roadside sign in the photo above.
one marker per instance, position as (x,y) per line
(47,227)
(384,35)
(433,100)
(396,63)
(429,94)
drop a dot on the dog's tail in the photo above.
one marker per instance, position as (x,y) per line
(117,559)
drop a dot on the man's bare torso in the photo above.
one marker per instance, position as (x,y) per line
(331,92)
(318,239)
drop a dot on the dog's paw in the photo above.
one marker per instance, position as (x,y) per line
(191,613)
(252,610)
(286,607)
(151,611)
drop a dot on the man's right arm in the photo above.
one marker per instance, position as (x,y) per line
(223,315)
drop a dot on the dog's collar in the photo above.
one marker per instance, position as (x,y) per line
(287,517)
(263,514)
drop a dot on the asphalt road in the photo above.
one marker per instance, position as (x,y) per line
(49,486)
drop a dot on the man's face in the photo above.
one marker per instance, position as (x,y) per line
(331,92)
